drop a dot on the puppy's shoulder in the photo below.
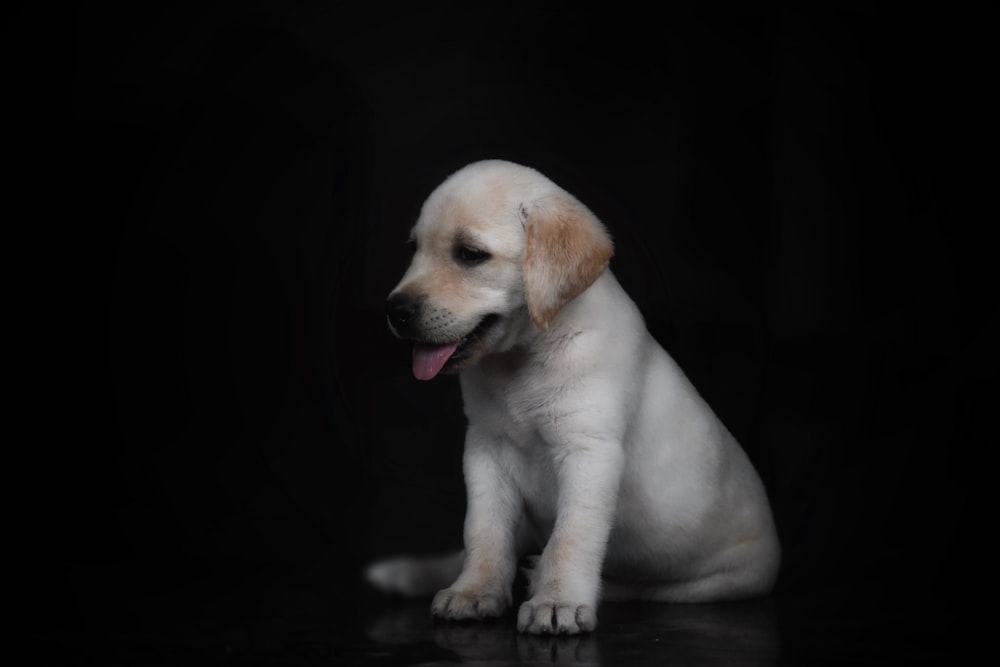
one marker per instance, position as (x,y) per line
(606,310)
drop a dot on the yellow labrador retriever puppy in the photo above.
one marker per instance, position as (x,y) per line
(585,439)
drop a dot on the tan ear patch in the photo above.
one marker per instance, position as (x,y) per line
(566,249)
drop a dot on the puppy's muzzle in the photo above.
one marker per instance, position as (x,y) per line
(403,313)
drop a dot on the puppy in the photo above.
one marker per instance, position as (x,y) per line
(585,439)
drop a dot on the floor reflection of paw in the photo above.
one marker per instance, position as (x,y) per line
(476,641)
(557,650)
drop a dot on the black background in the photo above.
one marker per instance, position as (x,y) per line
(788,197)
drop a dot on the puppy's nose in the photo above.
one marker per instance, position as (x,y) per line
(401,310)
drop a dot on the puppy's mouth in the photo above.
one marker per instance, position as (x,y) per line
(430,359)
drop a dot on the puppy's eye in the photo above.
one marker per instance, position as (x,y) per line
(411,246)
(471,256)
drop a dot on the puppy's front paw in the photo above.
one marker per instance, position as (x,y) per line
(455,605)
(549,617)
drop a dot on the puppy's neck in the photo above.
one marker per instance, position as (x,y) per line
(506,363)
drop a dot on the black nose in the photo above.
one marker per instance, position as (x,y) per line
(401,310)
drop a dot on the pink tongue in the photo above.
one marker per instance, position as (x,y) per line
(428,360)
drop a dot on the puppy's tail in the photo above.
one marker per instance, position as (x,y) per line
(413,577)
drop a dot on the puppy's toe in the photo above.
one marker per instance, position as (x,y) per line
(586,618)
(454,605)
(555,617)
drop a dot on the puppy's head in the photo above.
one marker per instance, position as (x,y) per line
(495,242)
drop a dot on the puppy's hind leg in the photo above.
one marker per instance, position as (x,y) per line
(412,576)
(748,571)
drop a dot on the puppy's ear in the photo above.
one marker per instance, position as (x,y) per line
(565,249)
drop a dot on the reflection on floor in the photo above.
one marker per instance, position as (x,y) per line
(305,623)
(628,635)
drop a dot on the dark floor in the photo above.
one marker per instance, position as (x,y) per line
(326,625)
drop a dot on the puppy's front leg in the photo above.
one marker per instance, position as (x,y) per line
(483,588)
(565,585)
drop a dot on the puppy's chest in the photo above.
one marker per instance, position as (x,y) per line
(514,417)
(514,412)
